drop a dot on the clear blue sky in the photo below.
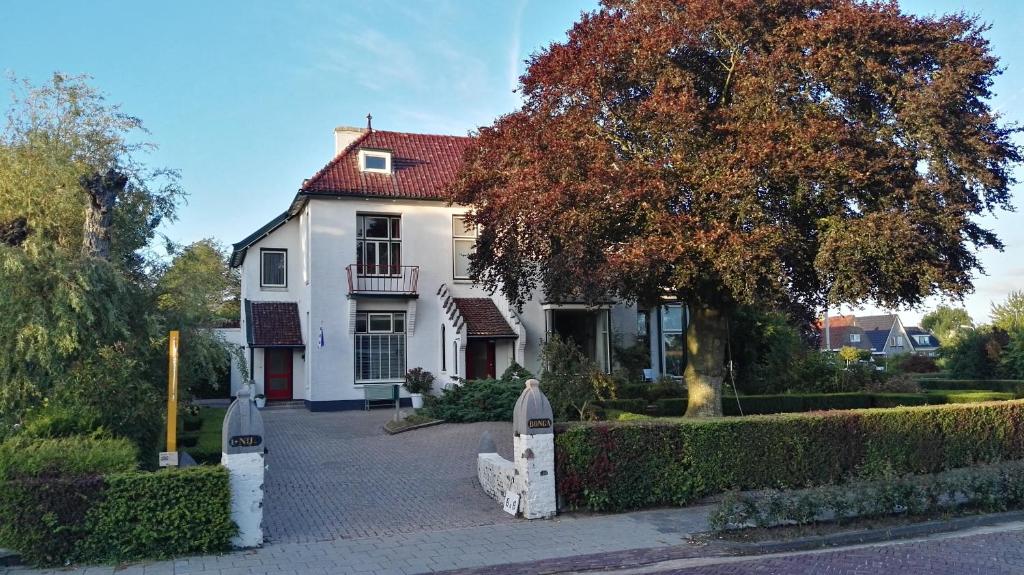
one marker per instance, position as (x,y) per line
(242,97)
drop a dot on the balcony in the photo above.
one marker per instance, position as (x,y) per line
(374,280)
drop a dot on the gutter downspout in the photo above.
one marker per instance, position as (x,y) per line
(828,333)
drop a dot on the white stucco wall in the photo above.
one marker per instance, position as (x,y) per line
(286,237)
(233,336)
(321,243)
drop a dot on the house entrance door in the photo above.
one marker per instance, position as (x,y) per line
(277,373)
(480,359)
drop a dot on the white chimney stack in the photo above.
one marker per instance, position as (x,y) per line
(344,136)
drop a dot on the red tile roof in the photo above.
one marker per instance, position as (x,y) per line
(483,318)
(422,165)
(273,324)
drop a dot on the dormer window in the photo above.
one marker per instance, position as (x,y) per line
(854,338)
(378,161)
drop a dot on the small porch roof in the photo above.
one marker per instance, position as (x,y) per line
(483,318)
(272,324)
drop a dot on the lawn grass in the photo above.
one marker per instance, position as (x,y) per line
(204,443)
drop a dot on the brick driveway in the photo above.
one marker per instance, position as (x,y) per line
(337,475)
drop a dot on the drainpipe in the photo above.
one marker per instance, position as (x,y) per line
(828,333)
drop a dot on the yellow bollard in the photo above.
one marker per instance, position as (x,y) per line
(172,393)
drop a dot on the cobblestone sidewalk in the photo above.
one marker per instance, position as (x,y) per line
(431,551)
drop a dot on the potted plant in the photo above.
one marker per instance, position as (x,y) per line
(417,382)
(261,400)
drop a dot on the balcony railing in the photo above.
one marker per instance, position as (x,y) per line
(374,279)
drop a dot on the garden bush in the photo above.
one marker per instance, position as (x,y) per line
(988,488)
(56,520)
(618,466)
(480,399)
(26,457)
(475,400)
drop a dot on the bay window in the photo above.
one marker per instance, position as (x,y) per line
(380,346)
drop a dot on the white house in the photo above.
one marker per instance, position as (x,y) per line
(365,275)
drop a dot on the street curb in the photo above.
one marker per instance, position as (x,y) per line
(9,558)
(420,426)
(875,535)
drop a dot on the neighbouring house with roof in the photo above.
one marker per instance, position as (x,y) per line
(883,335)
(365,276)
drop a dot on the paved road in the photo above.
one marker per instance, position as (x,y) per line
(996,553)
(339,475)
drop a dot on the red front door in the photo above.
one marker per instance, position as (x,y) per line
(480,359)
(277,373)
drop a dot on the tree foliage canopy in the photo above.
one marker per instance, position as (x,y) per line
(60,133)
(739,152)
(1009,315)
(945,322)
(83,338)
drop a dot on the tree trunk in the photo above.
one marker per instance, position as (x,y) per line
(103,190)
(705,363)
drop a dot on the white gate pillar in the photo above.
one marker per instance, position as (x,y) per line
(243,451)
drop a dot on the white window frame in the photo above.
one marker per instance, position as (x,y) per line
(664,332)
(854,338)
(403,335)
(369,322)
(897,341)
(390,269)
(456,237)
(923,340)
(363,154)
(284,253)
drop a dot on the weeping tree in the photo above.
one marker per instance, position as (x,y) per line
(737,152)
(79,210)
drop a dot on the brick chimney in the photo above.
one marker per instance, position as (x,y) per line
(344,136)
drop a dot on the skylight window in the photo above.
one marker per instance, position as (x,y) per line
(375,161)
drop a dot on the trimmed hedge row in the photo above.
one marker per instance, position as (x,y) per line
(628,405)
(118,517)
(800,402)
(1014,386)
(988,488)
(620,466)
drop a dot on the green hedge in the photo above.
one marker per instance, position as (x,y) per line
(800,402)
(628,405)
(618,466)
(987,488)
(1014,386)
(22,457)
(56,520)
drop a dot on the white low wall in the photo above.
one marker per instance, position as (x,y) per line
(496,474)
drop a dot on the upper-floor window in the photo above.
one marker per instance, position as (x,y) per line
(378,245)
(463,244)
(923,340)
(897,341)
(375,161)
(273,268)
(854,338)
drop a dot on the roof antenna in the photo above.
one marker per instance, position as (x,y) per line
(369,122)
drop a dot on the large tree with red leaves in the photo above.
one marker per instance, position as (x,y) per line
(731,152)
